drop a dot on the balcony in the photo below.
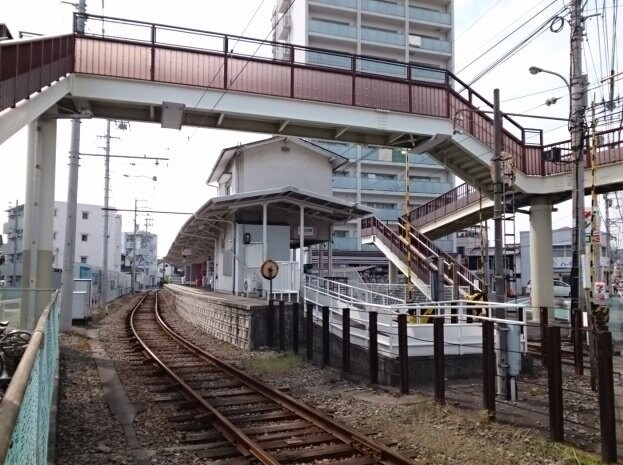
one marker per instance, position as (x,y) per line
(332,29)
(391,185)
(329,60)
(382,67)
(351,243)
(341,3)
(383,8)
(428,44)
(384,37)
(421,14)
(389,214)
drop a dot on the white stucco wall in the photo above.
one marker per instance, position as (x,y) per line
(268,167)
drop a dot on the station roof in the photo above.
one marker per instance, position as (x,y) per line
(195,242)
(227,154)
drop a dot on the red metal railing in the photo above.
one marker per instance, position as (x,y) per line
(609,151)
(28,65)
(422,249)
(148,51)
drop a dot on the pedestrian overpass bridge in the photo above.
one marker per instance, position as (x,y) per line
(176,76)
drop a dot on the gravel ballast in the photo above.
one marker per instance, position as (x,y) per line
(87,433)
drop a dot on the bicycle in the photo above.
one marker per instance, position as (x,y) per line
(12,346)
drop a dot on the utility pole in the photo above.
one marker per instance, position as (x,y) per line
(106,218)
(14,277)
(577,108)
(67,285)
(69,250)
(609,280)
(134,251)
(498,202)
(498,226)
(408,231)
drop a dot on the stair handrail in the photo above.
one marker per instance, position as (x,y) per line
(468,278)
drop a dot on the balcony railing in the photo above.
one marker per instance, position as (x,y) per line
(342,3)
(332,29)
(385,37)
(429,16)
(350,243)
(385,8)
(391,185)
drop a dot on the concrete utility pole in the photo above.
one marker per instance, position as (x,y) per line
(577,108)
(134,251)
(14,277)
(67,285)
(498,202)
(69,252)
(106,218)
(498,225)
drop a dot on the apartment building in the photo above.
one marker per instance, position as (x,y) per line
(89,240)
(412,31)
(142,247)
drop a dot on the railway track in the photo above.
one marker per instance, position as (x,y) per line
(231,416)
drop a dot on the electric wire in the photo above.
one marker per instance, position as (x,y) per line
(505,37)
(523,43)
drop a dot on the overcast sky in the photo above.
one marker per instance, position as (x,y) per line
(479,24)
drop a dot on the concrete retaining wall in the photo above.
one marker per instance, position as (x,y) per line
(247,323)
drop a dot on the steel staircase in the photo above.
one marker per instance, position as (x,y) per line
(394,245)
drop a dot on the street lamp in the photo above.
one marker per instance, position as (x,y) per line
(153,178)
(576,129)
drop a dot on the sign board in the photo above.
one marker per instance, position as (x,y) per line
(186,252)
(309,231)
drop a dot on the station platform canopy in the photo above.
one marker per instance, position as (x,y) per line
(196,240)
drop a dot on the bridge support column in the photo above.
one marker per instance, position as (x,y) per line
(392,273)
(37,255)
(541,258)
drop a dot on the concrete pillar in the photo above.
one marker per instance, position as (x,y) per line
(392,273)
(37,255)
(330,254)
(264,232)
(541,258)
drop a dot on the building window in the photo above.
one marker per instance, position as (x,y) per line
(83,258)
(338,233)
(84,237)
(85,215)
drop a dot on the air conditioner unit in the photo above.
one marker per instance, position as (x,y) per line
(552,155)
(415,41)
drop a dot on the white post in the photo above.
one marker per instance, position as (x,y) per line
(302,247)
(264,231)
(541,258)
(69,248)
(392,273)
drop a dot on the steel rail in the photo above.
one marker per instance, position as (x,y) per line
(356,440)
(240,440)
